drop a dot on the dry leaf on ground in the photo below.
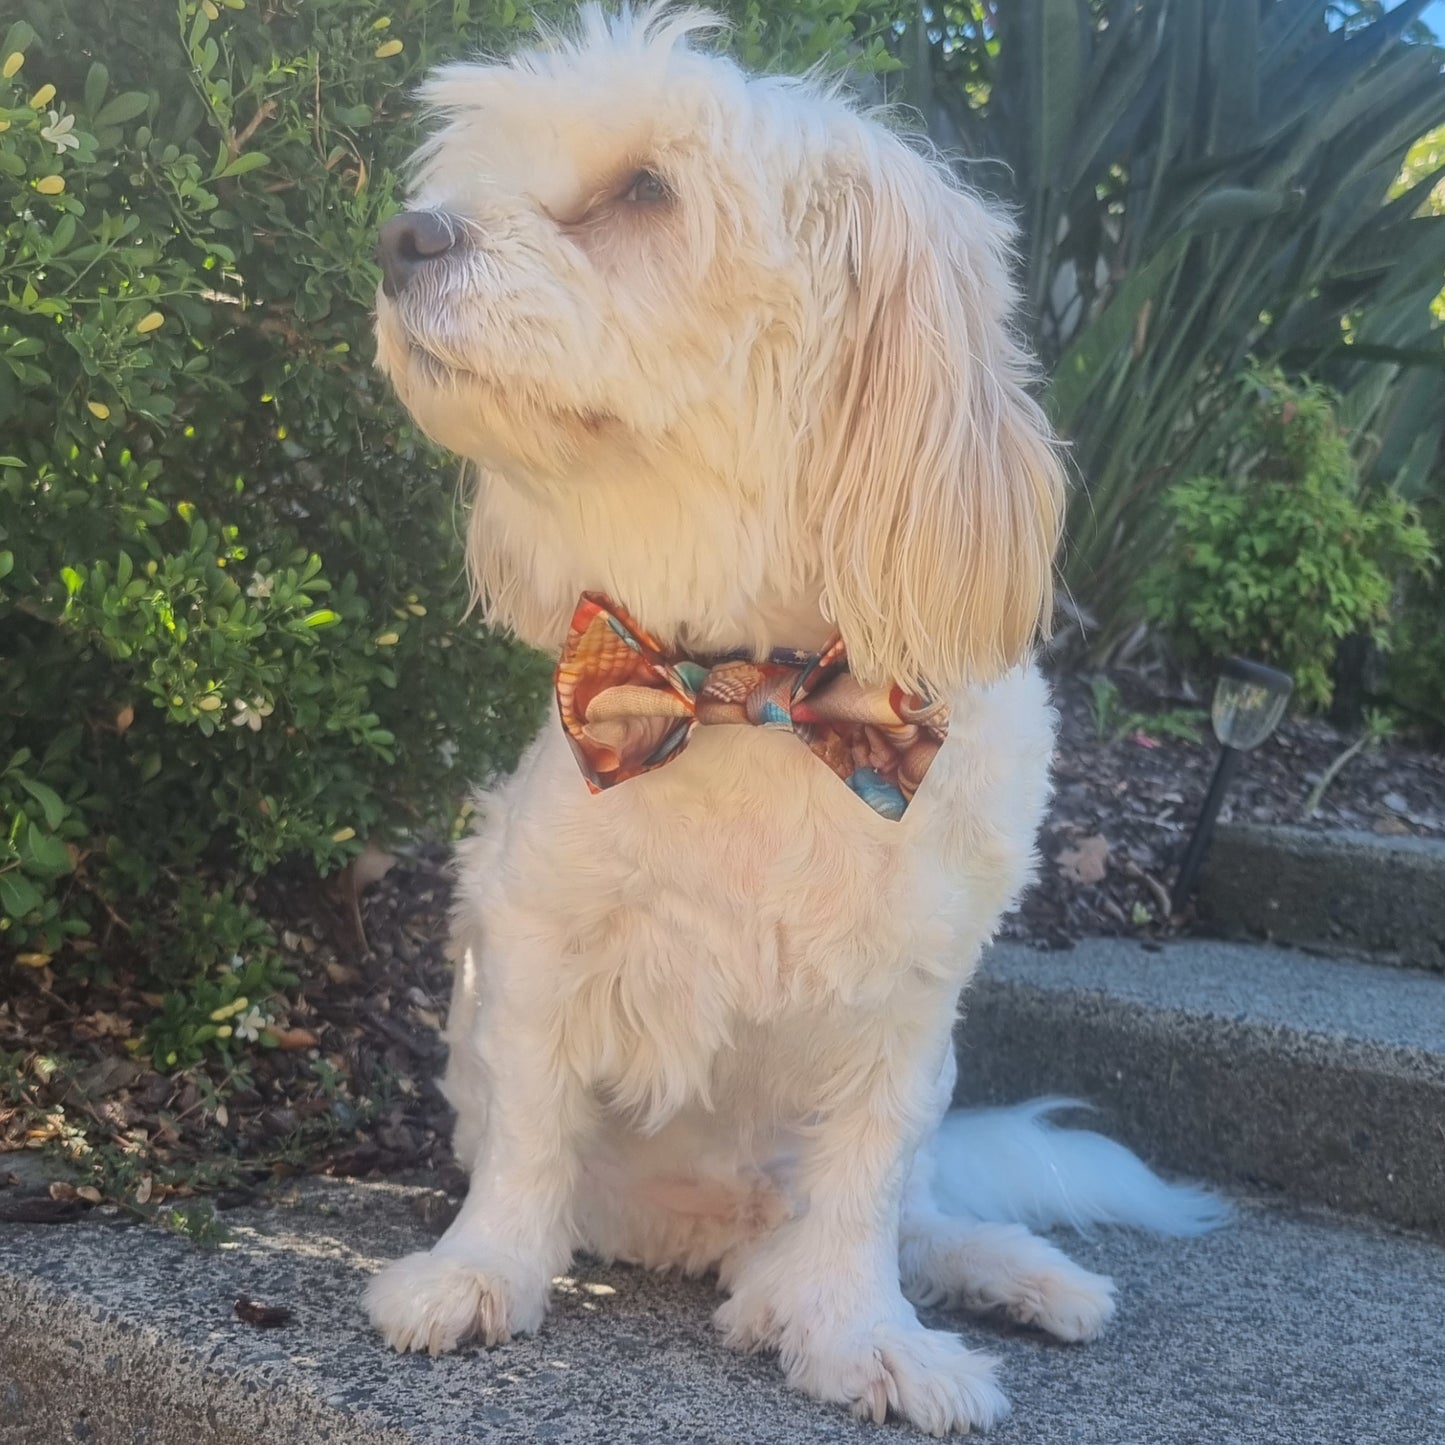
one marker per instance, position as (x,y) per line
(1087,861)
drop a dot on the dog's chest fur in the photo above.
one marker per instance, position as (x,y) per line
(724,931)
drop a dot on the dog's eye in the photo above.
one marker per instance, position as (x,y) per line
(648,189)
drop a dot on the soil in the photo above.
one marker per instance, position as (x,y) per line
(1127,795)
(355,1091)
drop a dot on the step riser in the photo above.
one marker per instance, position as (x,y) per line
(1347,893)
(1358,1127)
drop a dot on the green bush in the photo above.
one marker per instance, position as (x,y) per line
(1416,675)
(1282,558)
(1197,182)
(231,625)
(232,617)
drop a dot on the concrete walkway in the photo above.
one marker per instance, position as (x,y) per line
(1284,1329)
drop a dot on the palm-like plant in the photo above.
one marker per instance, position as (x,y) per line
(1198,182)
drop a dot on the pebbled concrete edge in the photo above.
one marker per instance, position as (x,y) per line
(1357,1127)
(1350,892)
(71,1373)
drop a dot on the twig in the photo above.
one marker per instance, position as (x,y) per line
(1317,793)
(236,140)
(89,888)
(316,110)
(1160,892)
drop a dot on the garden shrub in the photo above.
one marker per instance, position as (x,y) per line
(232,617)
(1281,558)
(1415,677)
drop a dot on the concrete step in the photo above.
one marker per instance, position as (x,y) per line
(1320,1078)
(1283,1328)
(1351,893)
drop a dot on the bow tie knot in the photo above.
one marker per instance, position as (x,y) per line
(628,705)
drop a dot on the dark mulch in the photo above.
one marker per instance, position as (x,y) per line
(355,1092)
(1127,798)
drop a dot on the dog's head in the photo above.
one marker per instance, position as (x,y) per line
(727,348)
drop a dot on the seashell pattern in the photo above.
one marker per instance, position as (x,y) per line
(629,705)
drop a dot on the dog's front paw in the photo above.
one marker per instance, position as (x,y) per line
(923,1376)
(434,1302)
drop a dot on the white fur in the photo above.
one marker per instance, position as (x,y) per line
(704,1019)
(1042,1176)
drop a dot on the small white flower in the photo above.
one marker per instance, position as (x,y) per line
(58,133)
(261,586)
(251,714)
(250,1024)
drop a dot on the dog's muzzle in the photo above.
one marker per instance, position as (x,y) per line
(408,243)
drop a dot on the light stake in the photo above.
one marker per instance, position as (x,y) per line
(1249,701)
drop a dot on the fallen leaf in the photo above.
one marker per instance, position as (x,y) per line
(1086,863)
(262,1316)
(143,1189)
(370,867)
(101,1025)
(89,1193)
(109,1076)
(346,887)
(293,1039)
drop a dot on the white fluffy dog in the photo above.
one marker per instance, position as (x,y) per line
(733,353)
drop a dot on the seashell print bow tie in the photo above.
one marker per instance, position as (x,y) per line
(629,705)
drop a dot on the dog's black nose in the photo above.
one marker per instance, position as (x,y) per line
(405,243)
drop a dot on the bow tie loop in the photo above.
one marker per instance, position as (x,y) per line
(629,705)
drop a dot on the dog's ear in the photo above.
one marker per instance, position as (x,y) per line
(939,497)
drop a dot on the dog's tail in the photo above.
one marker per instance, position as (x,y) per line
(1013,1166)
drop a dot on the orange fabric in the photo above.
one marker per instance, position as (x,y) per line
(629,705)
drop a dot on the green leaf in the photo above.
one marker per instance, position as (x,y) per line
(63,234)
(7,564)
(1229,206)
(20,36)
(97,82)
(1061,48)
(49,800)
(44,853)
(124,107)
(18,895)
(325,617)
(244,163)
(1080,369)
(72,579)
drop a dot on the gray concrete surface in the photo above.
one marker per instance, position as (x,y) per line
(1348,892)
(1280,1330)
(1321,1078)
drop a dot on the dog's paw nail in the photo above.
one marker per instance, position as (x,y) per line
(923,1376)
